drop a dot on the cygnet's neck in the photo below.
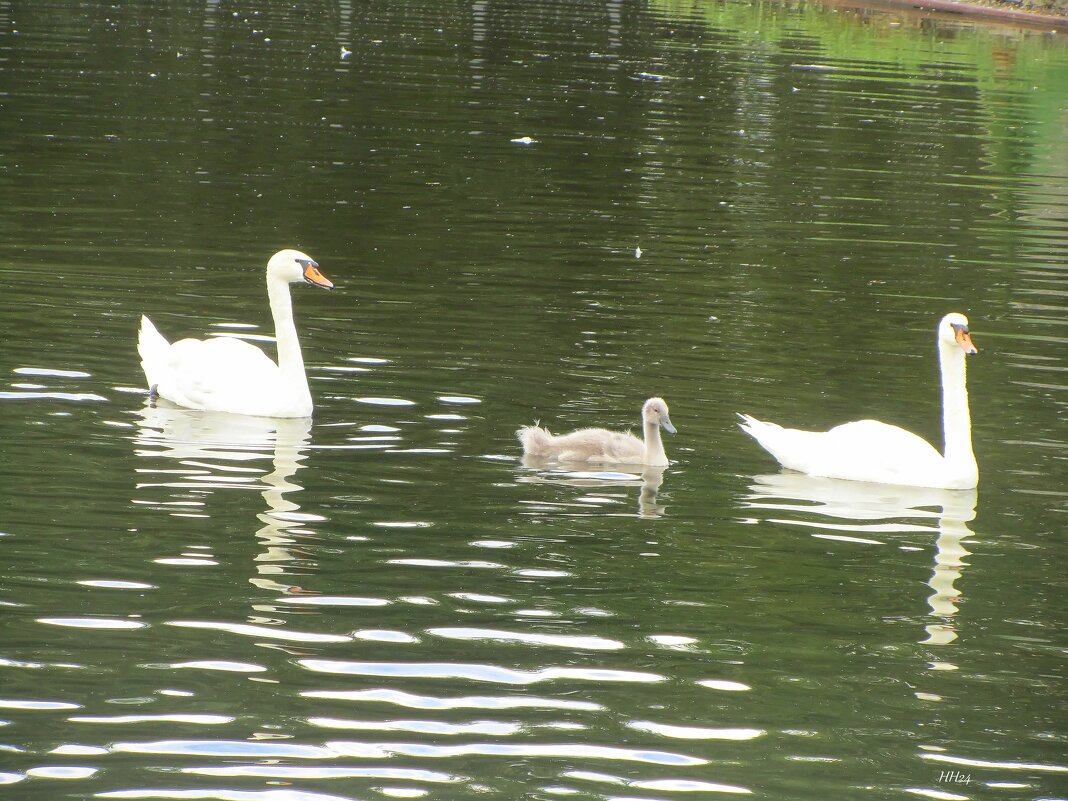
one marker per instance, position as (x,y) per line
(290,360)
(956,418)
(654,445)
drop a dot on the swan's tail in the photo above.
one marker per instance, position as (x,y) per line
(536,440)
(758,429)
(775,439)
(751,426)
(153,349)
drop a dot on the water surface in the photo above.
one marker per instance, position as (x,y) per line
(532,211)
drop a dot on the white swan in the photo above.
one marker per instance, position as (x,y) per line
(225,374)
(602,445)
(868,450)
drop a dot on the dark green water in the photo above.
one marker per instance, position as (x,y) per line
(532,210)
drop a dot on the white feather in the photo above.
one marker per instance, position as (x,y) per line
(868,450)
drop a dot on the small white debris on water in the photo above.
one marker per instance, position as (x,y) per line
(637,253)
(524,140)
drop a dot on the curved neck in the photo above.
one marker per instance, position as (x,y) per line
(956,419)
(290,360)
(654,446)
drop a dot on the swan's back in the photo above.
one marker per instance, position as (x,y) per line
(584,445)
(864,450)
(223,373)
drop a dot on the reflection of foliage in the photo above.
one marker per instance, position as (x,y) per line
(990,80)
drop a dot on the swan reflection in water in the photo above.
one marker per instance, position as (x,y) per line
(874,509)
(197,455)
(552,472)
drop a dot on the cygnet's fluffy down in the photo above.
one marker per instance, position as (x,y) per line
(602,445)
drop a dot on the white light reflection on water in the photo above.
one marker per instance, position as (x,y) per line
(487,673)
(413,701)
(484,727)
(770,197)
(529,638)
(223,794)
(945,513)
(662,785)
(284,772)
(649,481)
(219,444)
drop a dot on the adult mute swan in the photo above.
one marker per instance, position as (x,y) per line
(868,450)
(225,374)
(601,445)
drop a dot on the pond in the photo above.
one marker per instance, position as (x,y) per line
(532,211)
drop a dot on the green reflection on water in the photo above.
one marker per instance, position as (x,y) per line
(796,249)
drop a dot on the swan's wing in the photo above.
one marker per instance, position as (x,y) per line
(867,450)
(218,374)
(890,441)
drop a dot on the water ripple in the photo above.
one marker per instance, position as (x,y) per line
(412,701)
(207,720)
(331,600)
(286,772)
(726,686)
(222,794)
(984,763)
(695,732)
(51,372)
(488,727)
(666,785)
(15,703)
(266,632)
(92,623)
(225,665)
(226,748)
(71,396)
(474,672)
(529,638)
(329,575)
(568,750)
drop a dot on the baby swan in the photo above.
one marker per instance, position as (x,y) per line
(602,445)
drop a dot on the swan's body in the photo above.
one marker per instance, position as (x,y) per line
(225,374)
(868,450)
(600,444)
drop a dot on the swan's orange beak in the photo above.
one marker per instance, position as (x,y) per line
(313,276)
(964,339)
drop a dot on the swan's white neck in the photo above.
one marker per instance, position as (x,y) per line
(654,445)
(290,360)
(956,419)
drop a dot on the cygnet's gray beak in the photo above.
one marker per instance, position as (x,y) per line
(665,423)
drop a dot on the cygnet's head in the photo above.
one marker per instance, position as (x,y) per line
(292,266)
(953,330)
(655,410)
